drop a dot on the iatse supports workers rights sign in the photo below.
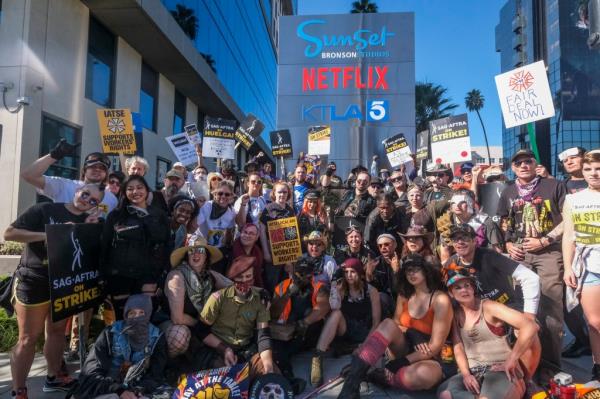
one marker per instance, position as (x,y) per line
(284,237)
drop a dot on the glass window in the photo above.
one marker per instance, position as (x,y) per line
(100,64)
(149,97)
(179,113)
(54,130)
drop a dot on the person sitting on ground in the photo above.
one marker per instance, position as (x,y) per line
(247,244)
(489,366)
(323,265)
(128,359)
(239,322)
(187,288)
(299,303)
(30,291)
(313,216)
(414,338)
(385,218)
(356,312)
(183,211)
(417,240)
(355,247)
(115,179)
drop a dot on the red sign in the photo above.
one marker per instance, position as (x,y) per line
(344,77)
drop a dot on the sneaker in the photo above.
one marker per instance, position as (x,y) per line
(20,393)
(72,356)
(59,383)
(316,369)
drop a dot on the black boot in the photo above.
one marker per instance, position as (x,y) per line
(596,372)
(356,373)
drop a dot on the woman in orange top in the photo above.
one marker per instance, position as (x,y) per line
(415,337)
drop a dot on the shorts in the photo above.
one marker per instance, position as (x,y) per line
(494,384)
(591,278)
(31,286)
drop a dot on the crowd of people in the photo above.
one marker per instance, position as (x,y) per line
(420,286)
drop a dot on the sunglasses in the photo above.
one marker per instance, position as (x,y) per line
(222,194)
(215,179)
(199,250)
(396,180)
(523,161)
(462,238)
(118,183)
(87,196)
(351,229)
(440,175)
(412,270)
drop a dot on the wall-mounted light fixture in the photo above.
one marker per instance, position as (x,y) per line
(21,101)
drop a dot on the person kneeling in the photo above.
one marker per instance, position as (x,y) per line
(489,368)
(128,359)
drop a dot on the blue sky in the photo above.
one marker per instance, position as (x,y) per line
(455,47)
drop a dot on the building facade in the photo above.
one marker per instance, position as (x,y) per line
(71,57)
(556,32)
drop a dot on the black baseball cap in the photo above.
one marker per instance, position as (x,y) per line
(522,153)
(96,158)
(463,228)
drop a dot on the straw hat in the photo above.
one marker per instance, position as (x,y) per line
(179,254)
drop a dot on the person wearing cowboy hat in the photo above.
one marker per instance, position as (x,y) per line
(236,315)
(324,265)
(187,288)
(439,175)
(356,312)
(417,240)
(489,367)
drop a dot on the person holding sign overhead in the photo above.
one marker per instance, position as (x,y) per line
(31,287)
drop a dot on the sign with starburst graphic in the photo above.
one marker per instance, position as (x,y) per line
(116,131)
(525,95)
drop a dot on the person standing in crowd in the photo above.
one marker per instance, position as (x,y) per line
(400,185)
(300,301)
(496,276)
(183,210)
(330,179)
(572,162)
(213,179)
(135,245)
(581,251)
(31,287)
(414,194)
(355,247)
(301,187)
(531,207)
(187,288)
(216,222)
(324,265)
(386,218)
(357,202)
(350,182)
(247,244)
(115,179)
(239,322)
(268,173)
(312,217)
(249,206)
(466,177)
(439,176)
(59,189)
(279,208)
(415,336)
(173,182)
(137,166)
(375,187)
(382,272)
(356,312)
(489,366)
(417,241)
(131,343)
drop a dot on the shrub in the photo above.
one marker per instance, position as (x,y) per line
(11,248)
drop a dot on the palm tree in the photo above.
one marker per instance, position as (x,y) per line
(364,7)
(210,61)
(474,102)
(186,19)
(431,104)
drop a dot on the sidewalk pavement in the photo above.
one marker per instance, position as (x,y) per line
(579,368)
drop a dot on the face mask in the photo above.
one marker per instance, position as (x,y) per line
(136,329)
(243,287)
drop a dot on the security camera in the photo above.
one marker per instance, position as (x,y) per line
(23,101)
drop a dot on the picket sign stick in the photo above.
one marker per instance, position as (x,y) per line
(533,141)
(82,338)
(236,146)
(282,167)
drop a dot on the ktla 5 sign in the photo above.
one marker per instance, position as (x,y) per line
(375,111)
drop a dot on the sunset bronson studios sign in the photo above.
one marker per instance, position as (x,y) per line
(354,73)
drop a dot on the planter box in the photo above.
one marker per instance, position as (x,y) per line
(8,263)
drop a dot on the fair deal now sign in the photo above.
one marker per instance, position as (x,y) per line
(525,95)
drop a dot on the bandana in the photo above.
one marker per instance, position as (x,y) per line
(526,190)
(137,332)
(198,286)
(216,211)
(243,287)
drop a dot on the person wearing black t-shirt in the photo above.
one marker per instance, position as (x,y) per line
(31,287)
(531,208)
(494,275)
